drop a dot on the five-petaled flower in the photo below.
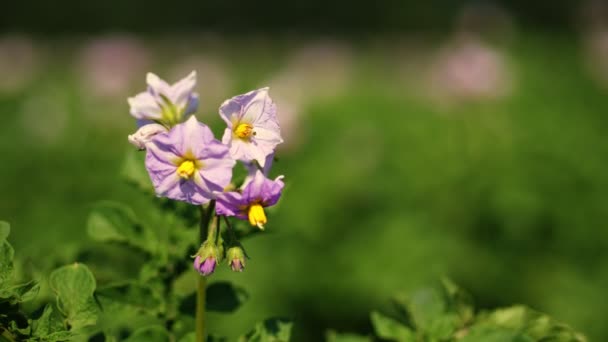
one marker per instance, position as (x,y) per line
(249,204)
(253,131)
(163,103)
(188,163)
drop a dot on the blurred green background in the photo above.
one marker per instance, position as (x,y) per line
(479,152)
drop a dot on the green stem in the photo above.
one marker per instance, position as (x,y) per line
(204,229)
(200,309)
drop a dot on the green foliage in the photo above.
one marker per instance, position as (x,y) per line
(333,336)
(271,330)
(445,313)
(76,308)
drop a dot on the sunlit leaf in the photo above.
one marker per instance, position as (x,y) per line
(390,329)
(49,327)
(74,286)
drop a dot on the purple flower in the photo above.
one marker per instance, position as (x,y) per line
(259,193)
(188,164)
(253,130)
(164,103)
(205,267)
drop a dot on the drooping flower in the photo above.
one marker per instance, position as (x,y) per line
(249,204)
(205,266)
(163,103)
(145,134)
(253,130)
(236,258)
(188,164)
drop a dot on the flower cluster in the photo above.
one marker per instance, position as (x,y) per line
(186,163)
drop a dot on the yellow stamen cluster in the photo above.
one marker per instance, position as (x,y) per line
(186,169)
(257,217)
(244,131)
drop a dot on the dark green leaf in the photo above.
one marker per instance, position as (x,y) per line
(271,330)
(389,329)
(74,286)
(333,336)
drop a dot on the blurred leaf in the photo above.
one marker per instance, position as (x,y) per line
(424,306)
(388,328)
(190,337)
(495,335)
(131,294)
(332,336)
(49,327)
(6,259)
(74,286)
(5,230)
(271,330)
(149,334)
(134,170)
(116,222)
(534,324)
(459,301)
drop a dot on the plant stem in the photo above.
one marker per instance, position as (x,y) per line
(200,309)
(204,229)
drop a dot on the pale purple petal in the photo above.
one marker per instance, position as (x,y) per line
(257,109)
(144,107)
(182,90)
(194,141)
(263,189)
(230,204)
(152,104)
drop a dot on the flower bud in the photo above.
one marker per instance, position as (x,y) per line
(205,267)
(207,258)
(236,258)
(145,134)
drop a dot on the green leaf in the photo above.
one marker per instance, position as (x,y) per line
(332,336)
(423,306)
(6,258)
(271,330)
(132,294)
(20,293)
(533,323)
(74,286)
(459,301)
(5,230)
(149,334)
(49,327)
(487,334)
(389,329)
(115,222)
(134,170)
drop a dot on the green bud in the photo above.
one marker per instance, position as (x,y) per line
(236,258)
